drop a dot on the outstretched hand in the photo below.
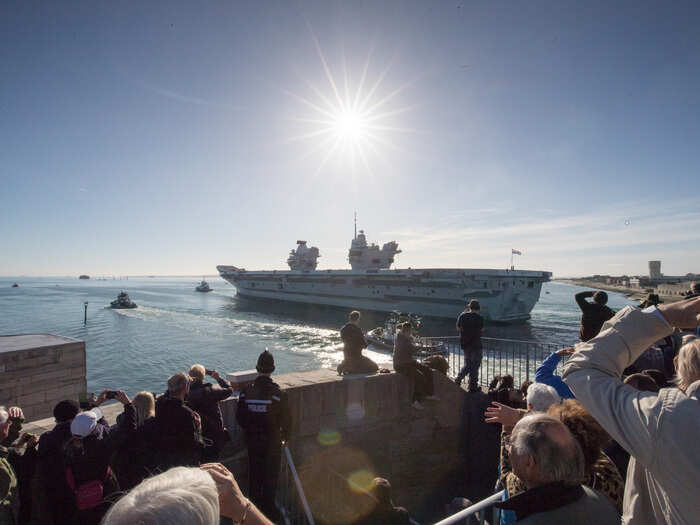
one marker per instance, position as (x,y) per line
(682,314)
(503,414)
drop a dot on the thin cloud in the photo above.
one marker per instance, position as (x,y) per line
(175,95)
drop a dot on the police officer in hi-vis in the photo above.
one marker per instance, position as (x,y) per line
(264,415)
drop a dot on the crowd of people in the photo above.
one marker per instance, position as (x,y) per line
(604,441)
(609,440)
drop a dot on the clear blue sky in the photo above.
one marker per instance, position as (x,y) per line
(169,137)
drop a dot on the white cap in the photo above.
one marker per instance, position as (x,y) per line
(84,423)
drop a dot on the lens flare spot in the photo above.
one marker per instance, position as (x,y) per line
(328,437)
(355,411)
(360,480)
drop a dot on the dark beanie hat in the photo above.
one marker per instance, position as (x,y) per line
(66,410)
(266,363)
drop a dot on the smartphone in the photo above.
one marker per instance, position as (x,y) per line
(85,399)
(208,372)
(111,394)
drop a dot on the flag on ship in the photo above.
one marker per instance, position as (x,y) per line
(515,252)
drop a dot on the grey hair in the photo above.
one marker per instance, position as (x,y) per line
(179,496)
(4,415)
(555,461)
(178,382)
(541,397)
(688,364)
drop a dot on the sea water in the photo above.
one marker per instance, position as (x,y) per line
(174,327)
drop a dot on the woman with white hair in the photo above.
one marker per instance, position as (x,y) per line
(186,496)
(135,458)
(659,430)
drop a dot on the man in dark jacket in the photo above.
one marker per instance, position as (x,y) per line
(353,344)
(58,497)
(264,416)
(384,511)
(404,363)
(204,399)
(594,314)
(469,325)
(180,439)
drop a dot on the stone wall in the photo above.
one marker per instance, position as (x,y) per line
(348,430)
(39,370)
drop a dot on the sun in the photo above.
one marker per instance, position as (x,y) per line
(350,126)
(354,123)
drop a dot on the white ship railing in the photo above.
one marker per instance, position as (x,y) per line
(519,359)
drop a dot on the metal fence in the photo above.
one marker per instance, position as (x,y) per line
(291,499)
(479,509)
(501,357)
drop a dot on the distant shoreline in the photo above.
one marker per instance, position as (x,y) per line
(640,294)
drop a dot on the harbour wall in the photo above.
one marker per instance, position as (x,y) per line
(39,370)
(347,430)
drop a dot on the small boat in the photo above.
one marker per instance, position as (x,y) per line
(84,277)
(15,285)
(382,337)
(203,286)
(123,301)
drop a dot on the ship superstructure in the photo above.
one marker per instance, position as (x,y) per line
(505,295)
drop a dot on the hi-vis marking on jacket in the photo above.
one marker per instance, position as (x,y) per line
(257,405)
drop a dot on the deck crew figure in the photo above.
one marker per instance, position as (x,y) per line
(353,344)
(469,325)
(264,416)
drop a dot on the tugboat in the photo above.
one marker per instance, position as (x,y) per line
(123,301)
(382,337)
(203,286)
(15,285)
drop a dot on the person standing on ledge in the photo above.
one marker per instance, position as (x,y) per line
(264,416)
(594,314)
(469,325)
(353,344)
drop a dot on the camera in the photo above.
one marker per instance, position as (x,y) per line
(208,372)
(111,394)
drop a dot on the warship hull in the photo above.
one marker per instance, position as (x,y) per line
(505,295)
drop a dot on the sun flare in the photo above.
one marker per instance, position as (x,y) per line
(350,126)
(353,123)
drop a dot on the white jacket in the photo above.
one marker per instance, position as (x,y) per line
(660,431)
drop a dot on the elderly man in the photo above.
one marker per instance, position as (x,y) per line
(660,431)
(180,440)
(549,460)
(204,399)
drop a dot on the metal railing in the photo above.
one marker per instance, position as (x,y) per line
(291,499)
(478,508)
(500,357)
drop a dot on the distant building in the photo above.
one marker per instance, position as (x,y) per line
(655,270)
(673,289)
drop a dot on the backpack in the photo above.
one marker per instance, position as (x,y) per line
(89,494)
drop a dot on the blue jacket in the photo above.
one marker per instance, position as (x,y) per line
(545,374)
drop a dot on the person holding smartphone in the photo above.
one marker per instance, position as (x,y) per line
(204,399)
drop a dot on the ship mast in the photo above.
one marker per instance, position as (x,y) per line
(355,225)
